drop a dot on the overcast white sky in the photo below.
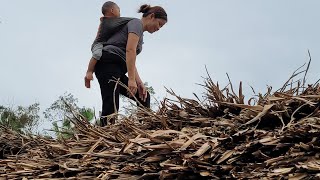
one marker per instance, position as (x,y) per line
(45,46)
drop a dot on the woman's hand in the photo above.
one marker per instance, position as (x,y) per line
(132,85)
(142,90)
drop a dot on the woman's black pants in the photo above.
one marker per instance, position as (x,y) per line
(112,67)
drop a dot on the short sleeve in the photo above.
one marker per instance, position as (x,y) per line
(135,26)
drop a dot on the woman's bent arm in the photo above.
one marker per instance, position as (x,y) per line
(131,54)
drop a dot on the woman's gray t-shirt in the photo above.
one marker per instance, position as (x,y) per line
(118,42)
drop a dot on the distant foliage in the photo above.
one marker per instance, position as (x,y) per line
(59,109)
(60,114)
(20,119)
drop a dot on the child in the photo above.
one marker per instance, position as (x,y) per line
(109,10)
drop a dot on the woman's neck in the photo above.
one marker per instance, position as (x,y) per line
(144,23)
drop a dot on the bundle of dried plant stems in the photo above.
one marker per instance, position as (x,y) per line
(272,136)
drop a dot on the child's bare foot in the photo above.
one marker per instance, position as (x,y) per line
(88,78)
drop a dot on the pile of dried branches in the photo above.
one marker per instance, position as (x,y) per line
(220,137)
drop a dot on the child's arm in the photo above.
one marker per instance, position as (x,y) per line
(89,74)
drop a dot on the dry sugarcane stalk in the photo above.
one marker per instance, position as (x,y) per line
(221,138)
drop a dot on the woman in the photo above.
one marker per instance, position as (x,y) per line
(119,57)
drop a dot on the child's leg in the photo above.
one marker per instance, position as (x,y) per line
(96,55)
(89,74)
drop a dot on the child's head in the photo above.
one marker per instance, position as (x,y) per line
(110,9)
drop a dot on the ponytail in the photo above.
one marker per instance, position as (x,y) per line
(158,11)
(144,8)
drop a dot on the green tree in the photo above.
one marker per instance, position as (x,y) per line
(60,113)
(20,119)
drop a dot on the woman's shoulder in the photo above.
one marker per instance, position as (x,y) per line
(136,23)
(123,20)
(135,26)
(135,20)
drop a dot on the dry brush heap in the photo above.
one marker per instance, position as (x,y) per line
(222,137)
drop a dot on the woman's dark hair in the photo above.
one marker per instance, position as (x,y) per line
(158,11)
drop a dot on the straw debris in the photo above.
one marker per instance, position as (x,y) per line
(221,137)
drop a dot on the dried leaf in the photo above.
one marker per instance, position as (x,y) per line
(204,148)
(265,110)
(225,156)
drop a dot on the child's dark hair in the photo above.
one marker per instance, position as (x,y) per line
(107,6)
(158,11)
